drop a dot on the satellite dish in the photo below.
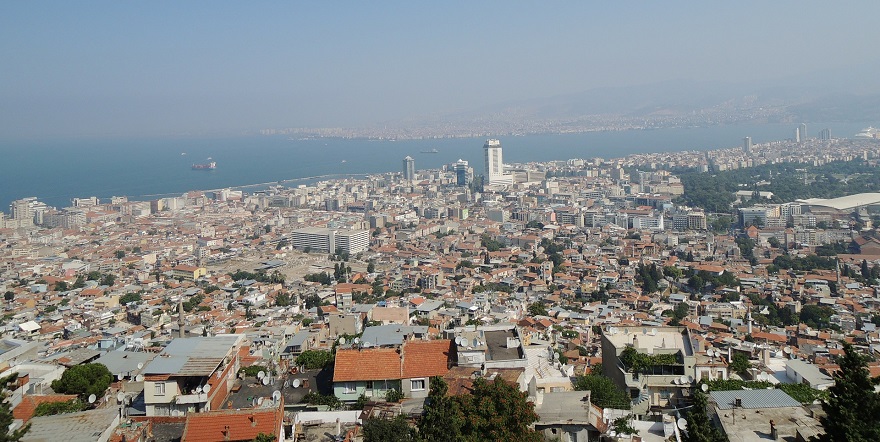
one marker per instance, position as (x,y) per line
(653,331)
(119,377)
(683,380)
(139,378)
(644,331)
(705,388)
(357,341)
(199,389)
(92,398)
(690,379)
(296,383)
(367,344)
(206,389)
(341,341)
(260,401)
(140,365)
(476,342)
(265,381)
(675,381)
(787,350)
(120,397)
(682,424)
(276,395)
(286,384)
(261,374)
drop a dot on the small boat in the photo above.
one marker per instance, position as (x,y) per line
(205,166)
(431,151)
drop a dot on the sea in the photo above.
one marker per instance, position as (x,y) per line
(56,171)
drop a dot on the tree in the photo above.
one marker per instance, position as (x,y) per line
(130,297)
(53,408)
(9,295)
(84,380)
(283,300)
(263,437)
(497,411)
(699,427)
(6,418)
(537,309)
(740,363)
(108,279)
(388,430)
(371,267)
(622,426)
(315,359)
(603,392)
(441,421)
(853,406)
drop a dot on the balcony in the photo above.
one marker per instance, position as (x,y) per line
(191,398)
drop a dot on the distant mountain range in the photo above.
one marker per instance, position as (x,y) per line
(850,93)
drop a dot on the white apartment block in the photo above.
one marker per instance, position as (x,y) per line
(320,239)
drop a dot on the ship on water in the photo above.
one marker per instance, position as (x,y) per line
(431,151)
(868,132)
(205,166)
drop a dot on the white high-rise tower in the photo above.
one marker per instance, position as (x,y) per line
(409,168)
(495,164)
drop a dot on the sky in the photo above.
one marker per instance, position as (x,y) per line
(160,68)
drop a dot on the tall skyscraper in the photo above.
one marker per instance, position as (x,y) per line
(463,173)
(797,135)
(747,144)
(409,168)
(803,131)
(825,134)
(495,164)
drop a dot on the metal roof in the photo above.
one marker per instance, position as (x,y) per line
(197,356)
(751,399)
(845,202)
(124,361)
(85,426)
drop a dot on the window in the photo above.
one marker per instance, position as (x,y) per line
(160,388)
(349,388)
(418,384)
(369,385)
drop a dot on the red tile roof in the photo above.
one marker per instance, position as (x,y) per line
(25,409)
(232,425)
(426,358)
(370,364)
(416,359)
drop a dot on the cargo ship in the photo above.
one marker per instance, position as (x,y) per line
(206,166)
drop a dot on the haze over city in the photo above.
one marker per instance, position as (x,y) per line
(110,69)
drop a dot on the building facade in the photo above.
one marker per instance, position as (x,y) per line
(320,239)
(409,168)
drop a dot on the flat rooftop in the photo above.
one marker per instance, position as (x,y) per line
(753,425)
(496,346)
(649,338)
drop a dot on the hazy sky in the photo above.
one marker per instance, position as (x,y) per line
(100,68)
